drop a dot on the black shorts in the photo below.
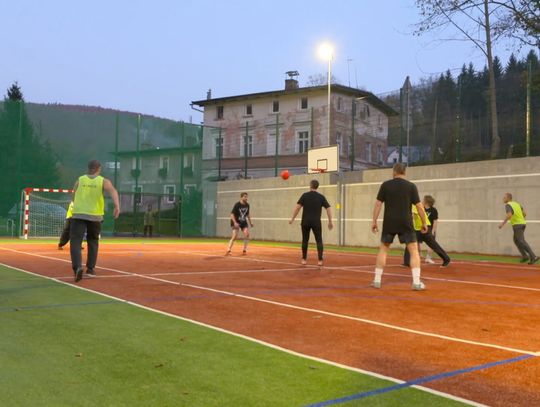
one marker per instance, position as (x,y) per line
(241,225)
(405,237)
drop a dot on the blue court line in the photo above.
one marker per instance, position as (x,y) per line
(76,304)
(418,381)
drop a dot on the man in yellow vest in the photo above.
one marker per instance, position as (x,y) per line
(516,215)
(88,211)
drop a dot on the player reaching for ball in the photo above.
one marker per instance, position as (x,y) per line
(240,220)
(312,203)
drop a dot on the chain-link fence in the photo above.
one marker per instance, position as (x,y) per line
(151,161)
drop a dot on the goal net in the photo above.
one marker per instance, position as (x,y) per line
(44,211)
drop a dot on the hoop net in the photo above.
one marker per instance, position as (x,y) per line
(44,211)
(320,170)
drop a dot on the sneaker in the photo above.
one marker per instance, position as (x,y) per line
(445,263)
(78,274)
(90,273)
(228,253)
(320,263)
(304,262)
(524,260)
(536,258)
(429,260)
(375,284)
(244,252)
(60,247)
(405,265)
(418,287)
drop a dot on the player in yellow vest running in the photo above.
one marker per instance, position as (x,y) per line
(88,211)
(516,215)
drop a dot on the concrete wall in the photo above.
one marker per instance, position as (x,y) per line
(468,195)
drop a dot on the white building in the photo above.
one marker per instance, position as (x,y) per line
(241,130)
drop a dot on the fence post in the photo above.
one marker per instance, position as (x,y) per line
(277,147)
(352,152)
(116,130)
(220,153)
(458,122)
(528,111)
(246,151)
(137,173)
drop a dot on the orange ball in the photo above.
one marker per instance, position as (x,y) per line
(285,174)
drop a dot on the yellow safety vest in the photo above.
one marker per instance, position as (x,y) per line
(69,212)
(417,220)
(89,197)
(517,218)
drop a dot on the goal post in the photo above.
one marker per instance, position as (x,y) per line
(44,211)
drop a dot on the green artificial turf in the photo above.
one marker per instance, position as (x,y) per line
(61,346)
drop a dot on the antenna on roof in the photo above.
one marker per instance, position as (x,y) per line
(292,74)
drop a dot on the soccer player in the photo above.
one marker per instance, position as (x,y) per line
(428,238)
(88,211)
(240,220)
(516,215)
(64,237)
(398,195)
(433,220)
(312,203)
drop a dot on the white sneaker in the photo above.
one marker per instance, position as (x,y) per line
(376,284)
(419,287)
(429,260)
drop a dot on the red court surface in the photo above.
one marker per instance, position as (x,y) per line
(472,313)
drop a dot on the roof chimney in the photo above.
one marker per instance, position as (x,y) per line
(292,82)
(209,94)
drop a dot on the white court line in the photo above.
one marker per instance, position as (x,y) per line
(192,273)
(254,340)
(347,268)
(316,311)
(440,220)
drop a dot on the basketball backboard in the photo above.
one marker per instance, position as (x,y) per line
(323,159)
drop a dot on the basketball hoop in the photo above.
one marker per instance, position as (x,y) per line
(320,170)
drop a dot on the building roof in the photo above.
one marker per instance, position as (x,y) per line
(370,97)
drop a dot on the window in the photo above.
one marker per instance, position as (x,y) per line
(271,144)
(164,163)
(338,142)
(339,104)
(303,142)
(379,155)
(218,146)
(170,192)
(275,106)
(219,112)
(249,110)
(368,152)
(380,121)
(304,103)
(137,196)
(248,147)
(189,164)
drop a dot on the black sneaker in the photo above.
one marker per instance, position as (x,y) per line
(445,263)
(536,258)
(524,260)
(90,273)
(78,274)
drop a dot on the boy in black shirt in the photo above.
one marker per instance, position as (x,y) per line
(398,195)
(240,220)
(433,217)
(312,202)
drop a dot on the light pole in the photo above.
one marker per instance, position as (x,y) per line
(326,52)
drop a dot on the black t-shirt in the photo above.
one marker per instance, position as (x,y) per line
(398,196)
(312,203)
(432,214)
(240,212)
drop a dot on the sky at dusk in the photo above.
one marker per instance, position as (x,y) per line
(155,57)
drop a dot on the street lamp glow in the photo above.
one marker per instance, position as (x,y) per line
(326,51)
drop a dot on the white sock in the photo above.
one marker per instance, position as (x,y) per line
(378,275)
(246,241)
(416,275)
